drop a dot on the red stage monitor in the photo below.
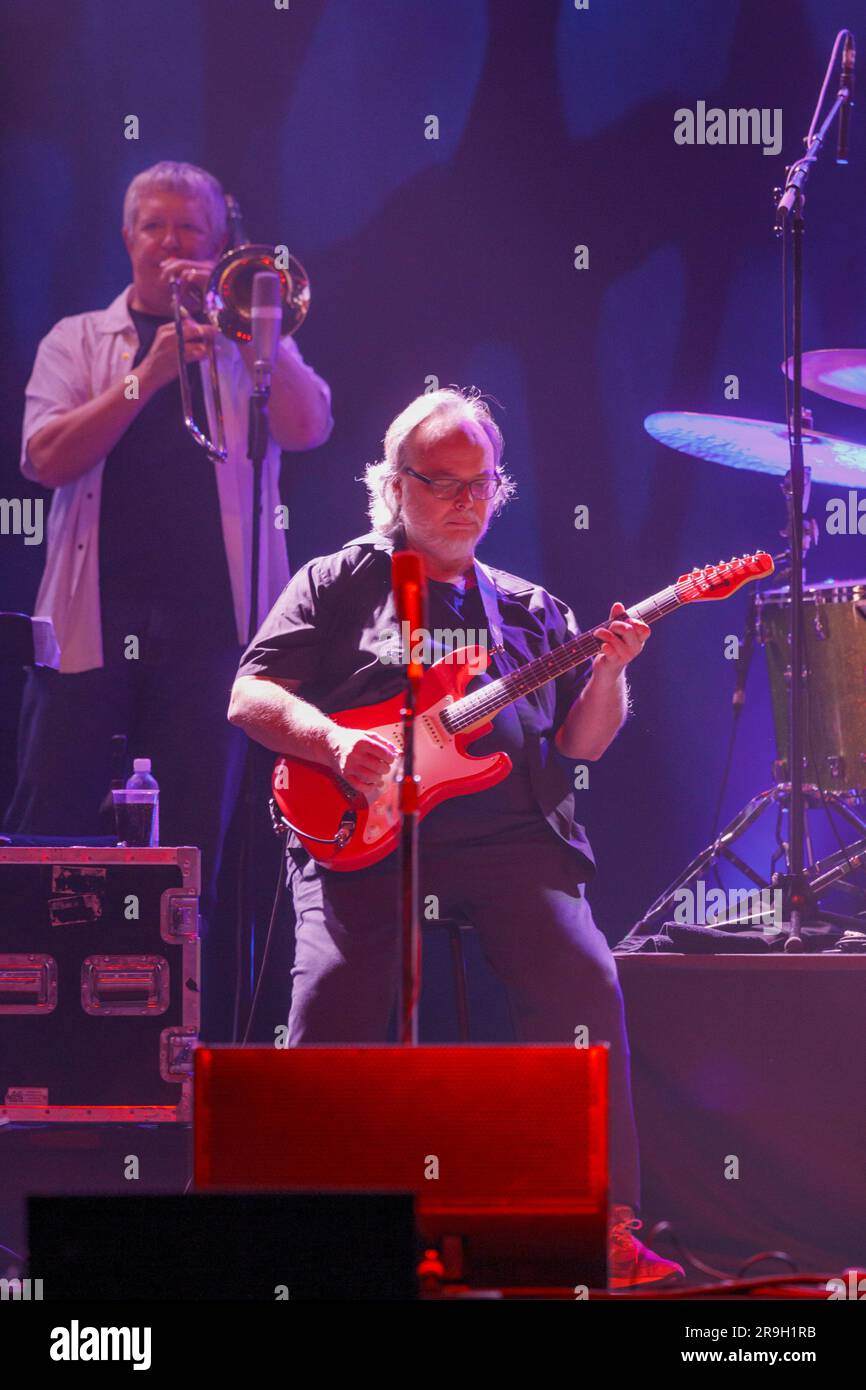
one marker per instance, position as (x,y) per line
(505,1148)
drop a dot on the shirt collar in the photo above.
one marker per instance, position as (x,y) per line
(117,318)
(377,541)
(484,577)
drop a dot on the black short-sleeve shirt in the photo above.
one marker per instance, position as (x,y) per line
(334,629)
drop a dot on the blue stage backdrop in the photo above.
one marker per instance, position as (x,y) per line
(435,167)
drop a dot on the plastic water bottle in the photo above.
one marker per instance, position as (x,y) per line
(142,779)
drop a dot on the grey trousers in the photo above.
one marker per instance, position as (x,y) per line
(537,934)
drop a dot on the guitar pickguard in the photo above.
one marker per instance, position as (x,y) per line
(438,759)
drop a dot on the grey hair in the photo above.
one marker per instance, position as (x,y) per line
(172,177)
(450,402)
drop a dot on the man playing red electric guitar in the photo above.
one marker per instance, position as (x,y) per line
(511,858)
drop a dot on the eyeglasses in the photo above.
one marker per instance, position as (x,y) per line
(448,488)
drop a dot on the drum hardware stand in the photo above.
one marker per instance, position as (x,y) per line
(816,879)
(820,875)
(834,869)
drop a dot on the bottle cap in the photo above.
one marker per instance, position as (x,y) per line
(141,764)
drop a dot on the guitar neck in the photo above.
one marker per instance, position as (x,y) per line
(484,704)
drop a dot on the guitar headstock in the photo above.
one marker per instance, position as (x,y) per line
(725,578)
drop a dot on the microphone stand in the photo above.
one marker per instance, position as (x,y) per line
(258,438)
(790,207)
(410,928)
(410,605)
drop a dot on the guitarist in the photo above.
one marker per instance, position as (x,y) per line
(511,858)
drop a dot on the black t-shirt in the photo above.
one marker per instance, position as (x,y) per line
(160,533)
(334,630)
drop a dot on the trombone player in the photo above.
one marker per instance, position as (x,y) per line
(147,567)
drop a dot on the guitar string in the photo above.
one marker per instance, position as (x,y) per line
(487,702)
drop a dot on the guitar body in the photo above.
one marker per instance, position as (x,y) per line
(318,803)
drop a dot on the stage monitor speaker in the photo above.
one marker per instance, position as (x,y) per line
(260,1246)
(505,1148)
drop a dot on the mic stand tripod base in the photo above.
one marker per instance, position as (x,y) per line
(834,868)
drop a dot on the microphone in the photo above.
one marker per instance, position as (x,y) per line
(237,235)
(266,314)
(846,81)
(744,660)
(410,594)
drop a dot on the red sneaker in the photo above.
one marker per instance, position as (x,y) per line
(629,1262)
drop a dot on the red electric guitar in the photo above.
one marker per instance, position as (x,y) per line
(343,829)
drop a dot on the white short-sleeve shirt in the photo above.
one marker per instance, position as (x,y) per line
(82,356)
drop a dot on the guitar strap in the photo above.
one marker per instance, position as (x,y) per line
(487,589)
(551,786)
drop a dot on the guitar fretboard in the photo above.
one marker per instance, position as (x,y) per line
(484,704)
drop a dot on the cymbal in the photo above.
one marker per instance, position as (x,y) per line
(839,373)
(758,445)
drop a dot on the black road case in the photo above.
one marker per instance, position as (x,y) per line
(99,983)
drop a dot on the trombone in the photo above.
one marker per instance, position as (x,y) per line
(227,304)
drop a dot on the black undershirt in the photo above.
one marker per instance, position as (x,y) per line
(507,810)
(160,533)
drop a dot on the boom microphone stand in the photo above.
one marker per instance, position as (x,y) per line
(801,887)
(789,208)
(266,317)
